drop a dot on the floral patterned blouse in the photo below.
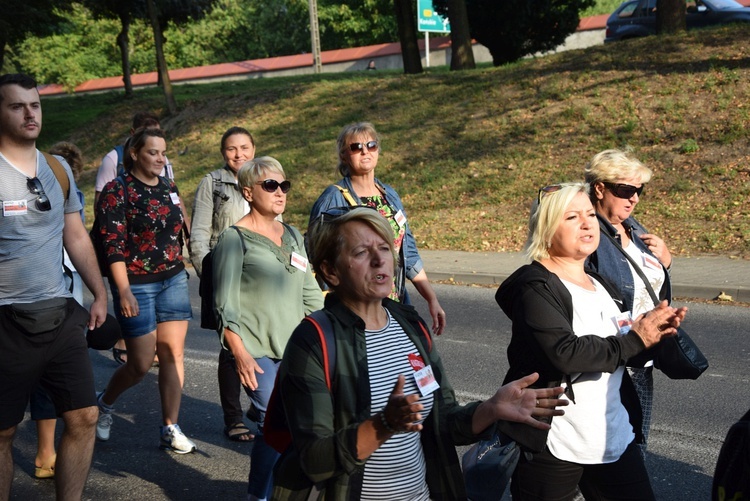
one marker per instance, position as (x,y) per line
(381,204)
(144,230)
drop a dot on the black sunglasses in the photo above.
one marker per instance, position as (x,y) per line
(271,185)
(623,190)
(546,190)
(358,147)
(35,187)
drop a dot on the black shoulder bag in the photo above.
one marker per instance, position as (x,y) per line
(677,356)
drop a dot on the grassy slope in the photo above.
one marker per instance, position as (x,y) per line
(467,151)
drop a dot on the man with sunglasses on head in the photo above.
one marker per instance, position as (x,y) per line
(617,179)
(41,326)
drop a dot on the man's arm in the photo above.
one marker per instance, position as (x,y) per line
(78,244)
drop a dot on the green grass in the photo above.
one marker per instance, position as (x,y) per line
(468,150)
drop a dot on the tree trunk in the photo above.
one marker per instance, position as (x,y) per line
(123,42)
(407,35)
(162,63)
(670,16)
(462,56)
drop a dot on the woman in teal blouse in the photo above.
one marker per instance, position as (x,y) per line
(263,288)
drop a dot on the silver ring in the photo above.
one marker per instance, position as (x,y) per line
(537,402)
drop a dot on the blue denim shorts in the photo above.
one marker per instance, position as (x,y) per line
(164,301)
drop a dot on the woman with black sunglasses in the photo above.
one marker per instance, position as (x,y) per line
(263,287)
(617,180)
(359,150)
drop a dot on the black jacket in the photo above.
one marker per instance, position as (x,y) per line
(543,341)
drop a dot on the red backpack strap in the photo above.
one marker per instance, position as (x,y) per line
(327,343)
(426,335)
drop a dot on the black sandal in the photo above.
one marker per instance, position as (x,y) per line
(117,354)
(238,432)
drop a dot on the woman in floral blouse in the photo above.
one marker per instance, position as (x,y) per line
(141,222)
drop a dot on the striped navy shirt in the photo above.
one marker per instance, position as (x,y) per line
(396,471)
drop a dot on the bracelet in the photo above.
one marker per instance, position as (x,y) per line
(386,425)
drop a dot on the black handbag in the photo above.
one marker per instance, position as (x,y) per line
(488,467)
(678,357)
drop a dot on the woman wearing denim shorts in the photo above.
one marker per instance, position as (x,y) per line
(141,222)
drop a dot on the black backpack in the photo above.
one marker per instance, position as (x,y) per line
(206,288)
(732,476)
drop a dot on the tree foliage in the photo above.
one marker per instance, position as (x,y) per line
(513,29)
(85,40)
(21,18)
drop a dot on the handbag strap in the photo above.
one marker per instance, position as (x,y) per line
(637,268)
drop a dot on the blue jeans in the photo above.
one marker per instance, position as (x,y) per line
(263,457)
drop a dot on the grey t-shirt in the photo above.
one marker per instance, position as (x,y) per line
(31,240)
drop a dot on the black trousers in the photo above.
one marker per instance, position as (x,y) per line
(546,478)
(230,388)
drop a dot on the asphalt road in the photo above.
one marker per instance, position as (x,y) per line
(690,417)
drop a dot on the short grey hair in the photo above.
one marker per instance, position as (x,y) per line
(612,166)
(254,170)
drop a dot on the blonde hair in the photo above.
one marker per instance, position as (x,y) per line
(546,215)
(612,166)
(253,170)
(325,241)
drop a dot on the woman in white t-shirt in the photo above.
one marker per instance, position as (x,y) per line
(617,180)
(568,327)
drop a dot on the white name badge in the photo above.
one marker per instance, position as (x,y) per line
(623,321)
(400,219)
(15,208)
(175,198)
(425,380)
(299,262)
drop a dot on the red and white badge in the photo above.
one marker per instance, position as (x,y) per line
(400,219)
(651,262)
(423,375)
(299,261)
(623,321)
(175,198)
(15,207)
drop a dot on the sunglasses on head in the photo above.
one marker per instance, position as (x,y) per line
(546,190)
(35,187)
(271,185)
(336,212)
(358,147)
(623,190)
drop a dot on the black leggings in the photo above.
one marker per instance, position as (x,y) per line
(546,478)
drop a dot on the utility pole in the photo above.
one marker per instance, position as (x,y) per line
(315,36)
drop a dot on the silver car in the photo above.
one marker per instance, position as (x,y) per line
(637,18)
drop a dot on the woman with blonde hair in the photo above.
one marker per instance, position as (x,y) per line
(568,327)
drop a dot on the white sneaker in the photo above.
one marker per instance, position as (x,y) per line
(104,423)
(172,439)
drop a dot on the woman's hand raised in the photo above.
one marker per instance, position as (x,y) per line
(662,321)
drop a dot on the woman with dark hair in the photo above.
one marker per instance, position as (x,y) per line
(358,150)
(141,223)
(388,426)
(568,327)
(219,204)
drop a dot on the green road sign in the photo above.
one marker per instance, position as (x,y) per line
(430,21)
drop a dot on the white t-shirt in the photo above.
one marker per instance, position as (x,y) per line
(108,170)
(595,429)
(652,268)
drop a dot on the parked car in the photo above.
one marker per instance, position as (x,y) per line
(637,18)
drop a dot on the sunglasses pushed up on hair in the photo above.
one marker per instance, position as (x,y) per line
(271,185)
(621,190)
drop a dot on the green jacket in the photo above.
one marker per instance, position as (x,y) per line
(324,424)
